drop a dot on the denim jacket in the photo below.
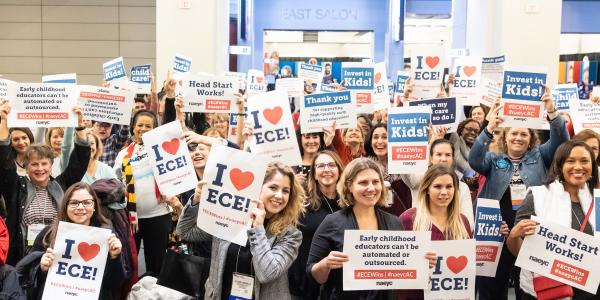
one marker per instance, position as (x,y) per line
(498,169)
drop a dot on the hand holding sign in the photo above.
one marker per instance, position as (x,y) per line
(494,119)
(114,246)
(47,260)
(334,260)
(4,110)
(524,228)
(548,102)
(431,256)
(258,213)
(198,192)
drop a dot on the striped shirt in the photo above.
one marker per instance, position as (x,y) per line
(42,210)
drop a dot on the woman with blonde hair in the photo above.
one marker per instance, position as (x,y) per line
(273,239)
(96,169)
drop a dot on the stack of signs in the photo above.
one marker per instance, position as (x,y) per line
(321,110)
(233,179)
(584,115)
(274,136)
(141,76)
(428,69)
(105,105)
(182,63)
(408,138)
(358,78)
(215,94)
(488,220)
(467,74)
(311,73)
(563,94)
(443,111)
(294,87)
(171,162)
(454,274)
(492,72)
(42,105)
(522,90)
(256,82)
(401,79)
(114,70)
(70,78)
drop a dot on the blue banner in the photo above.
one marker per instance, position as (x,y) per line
(408,127)
(523,85)
(113,69)
(141,74)
(358,78)
(182,64)
(313,100)
(487,224)
(443,110)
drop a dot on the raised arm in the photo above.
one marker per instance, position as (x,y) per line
(187,227)
(558,131)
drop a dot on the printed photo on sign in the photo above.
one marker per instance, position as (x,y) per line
(381,94)
(114,69)
(492,74)
(522,90)
(141,76)
(294,87)
(256,82)
(60,78)
(80,254)
(182,63)
(233,179)
(443,111)
(386,260)
(209,94)
(358,78)
(321,110)
(427,66)
(467,78)
(563,254)
(43,105)
(562,94)
(584,115)
(488,220)
(408,139)
(274,136)
(172,164)
(105,105)
(453,276)
(311,73)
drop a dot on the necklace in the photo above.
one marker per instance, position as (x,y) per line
(576,217)
(328,205)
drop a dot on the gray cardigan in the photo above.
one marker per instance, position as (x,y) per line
(272,256)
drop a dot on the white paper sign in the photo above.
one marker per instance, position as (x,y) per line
(408,139)
(522,90)
(562,254)
(381,94)
(274,136)
(358,78)
(427,64)
(234,178)
(7,89)
(294,87)
(454,274)
(60,78)
(321,110)
(43,105)
(386,260)
(105,105)
(209,94)
(467,77)
(488,220)
(80,254)
(240,78)
(172,165)
(492,70)
(256,82)
(114,69)
(584,115)
(314,73)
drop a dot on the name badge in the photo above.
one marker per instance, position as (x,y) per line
(242,287)
(32,232)
(518,192)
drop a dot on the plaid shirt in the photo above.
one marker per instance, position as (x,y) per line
(113,144)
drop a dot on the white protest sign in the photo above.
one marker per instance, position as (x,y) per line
(105,105)
(488,220)
(114,69)
(321,110)
(294,87)
(240,77)
(427,64)
(209,93)
(381,94)
(401,79)
(386,259)
(7,89)
(182,63)
(60,78)
(443,111)
(141,76)
(314,73)
(43,105)
(234,178)
(274,136)
(255,82)
(562,254)
(492,70)
(408,139)
(522,90)
(454,274)
(80,254)
(172,165)
(467,77)
(584,115)
(358,79)
(563,94)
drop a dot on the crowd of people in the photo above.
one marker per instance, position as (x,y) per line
(295,248)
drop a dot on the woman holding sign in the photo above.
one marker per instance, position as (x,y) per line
(273,241)
(566,198)
(520,164)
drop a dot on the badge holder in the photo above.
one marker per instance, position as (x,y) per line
(518,191)
(242,285)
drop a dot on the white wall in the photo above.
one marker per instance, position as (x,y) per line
(579,43)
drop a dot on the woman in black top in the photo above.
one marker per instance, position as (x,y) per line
(321,201)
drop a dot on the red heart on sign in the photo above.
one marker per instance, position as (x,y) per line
(273,115)
(171,146)
(469,70)
(456,264)
(87,251)
(377,78)
(241,180)
(259,79)
(432,61)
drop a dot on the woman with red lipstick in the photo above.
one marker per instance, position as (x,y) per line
(20,139)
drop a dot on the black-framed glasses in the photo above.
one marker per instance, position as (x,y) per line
(322,166)
(192,147)
(87,203)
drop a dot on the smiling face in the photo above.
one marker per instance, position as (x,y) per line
(199,154)
(441,191)
(310,143)
(517,141)
(379,141)
(577,168)
(353,135)
(38,170)
(221,123)
(19,141)
(478,114)
(80,207)
(275,194)
(142,125)
(56,140)
(326,171)
(366,188)
(470,132)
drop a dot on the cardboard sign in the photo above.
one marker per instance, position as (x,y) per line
(172,164)
(381,94)
(443,111)
(209,94)
(314,73)
(274,136)
(256,82)
(562,254)
(467,77)
(454,274)
(141,76)
(488,220)
(563,94)
(294,87)
(80,254)
(408,139)
(492,71)
(427,64)
(401,79)
(358,78)
(584,115)
(234,178)
(321,110)
(43,105)
(522,91)
(105,105)
(114,69)
(60,78)
(182,63)
(386,260)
